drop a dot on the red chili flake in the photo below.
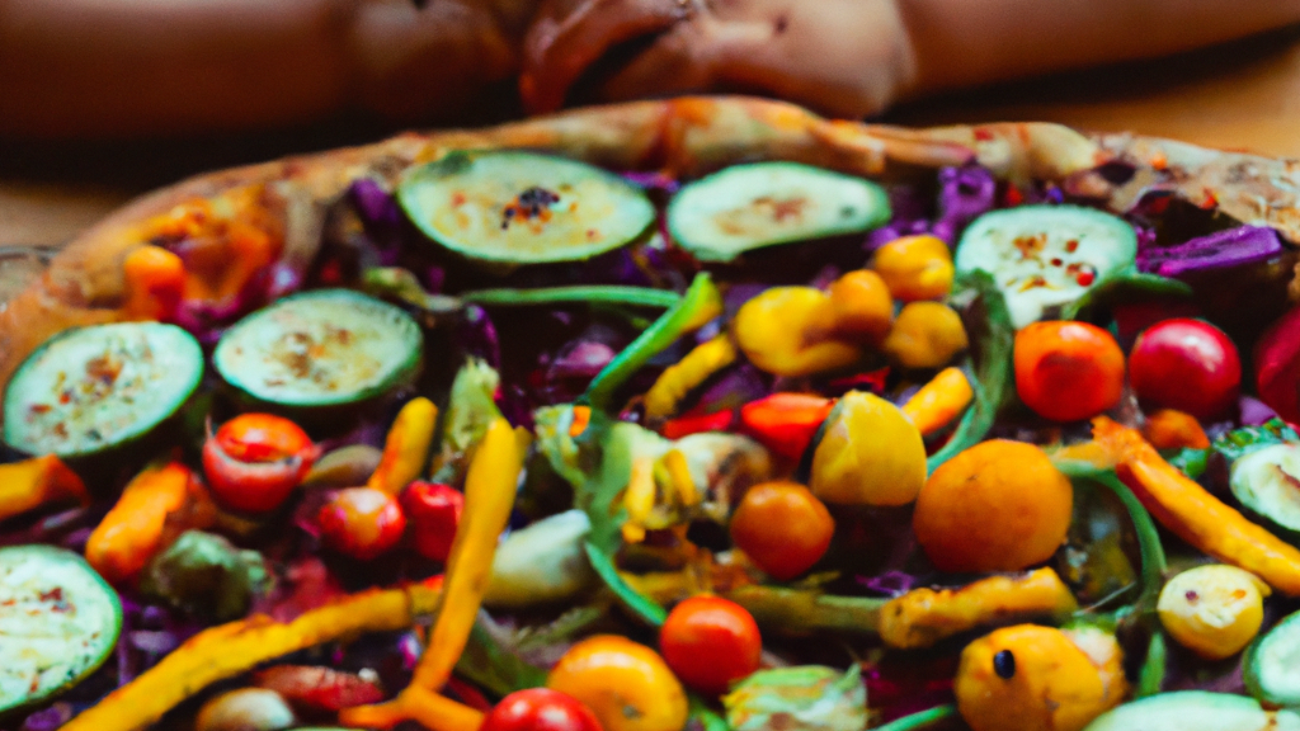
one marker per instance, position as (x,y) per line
(1071,246)
(1191,596)
(39,408)
(1086,278)
(1013,196)
(55,595)
(65,397)
(1057,262)
(1030,245)
(983,135)
(457,200)
(1210,202)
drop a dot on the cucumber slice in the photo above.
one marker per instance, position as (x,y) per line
(522,207)
(1271,666)
(322,348)
(746,207)
(1266,482)
(59,621)
(1194,710)
(1046,256)
(93,388)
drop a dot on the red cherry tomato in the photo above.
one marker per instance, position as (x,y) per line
(254,461)
(710,642)
(434,512)
(1188,365)
(540,709)
(361,522)
(1068,370)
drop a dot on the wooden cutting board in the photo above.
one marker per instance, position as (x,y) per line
(1243,95)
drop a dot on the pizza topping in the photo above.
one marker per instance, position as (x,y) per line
(745,207)
(99,387)
(321,348)
(1046,256)
(58,622)
(514,207)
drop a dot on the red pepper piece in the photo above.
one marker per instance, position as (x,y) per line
(785,422)
(695,423)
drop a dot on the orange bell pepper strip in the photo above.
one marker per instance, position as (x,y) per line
(939,401)
(32,483)
(785,422)
(406,450)
(489,496)
(136,528)
(924,616)
(235,648)
(1172,429)
(155,281)
(1196,516)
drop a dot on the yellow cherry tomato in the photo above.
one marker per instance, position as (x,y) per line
(1032,678)
(870,454)
(863,308)
(790,331)
(1213,610)
(925,335)
(916,267)
(627,685)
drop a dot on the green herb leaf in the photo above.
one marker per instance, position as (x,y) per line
(989,321)
(604,294)
(206,574)
(487,663)
(1240,442)
(1152,676)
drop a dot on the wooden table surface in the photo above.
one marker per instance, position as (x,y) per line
(1243,95)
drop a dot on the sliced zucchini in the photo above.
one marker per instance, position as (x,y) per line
(1266,482)
(93,388)
(1271,666)
(321,348)
(519,207)
(59,621)
(1194,710)
(746,207)
(1046,256)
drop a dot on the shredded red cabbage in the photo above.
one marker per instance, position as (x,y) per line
(1233,247)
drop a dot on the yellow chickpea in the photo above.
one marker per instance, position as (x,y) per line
(916,267)
(863,308)
(1213,610)
(925,335)
(790,331)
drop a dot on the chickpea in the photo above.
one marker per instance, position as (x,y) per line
(916,267)
(925,335)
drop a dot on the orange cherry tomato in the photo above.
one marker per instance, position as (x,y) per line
(361,522)
(627,685)
(710,643)
(998,506)
(1067,371)
(782,527)
(254,461)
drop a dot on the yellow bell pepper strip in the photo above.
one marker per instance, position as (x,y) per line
(639,499)
(135,529)
(406,450)
(1195,515)
(939,401)
(923,616)
(232,649)
(489,497)
(701,303)
(685,375)
(155,281)
(35,482)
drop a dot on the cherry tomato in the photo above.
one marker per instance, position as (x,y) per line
(434,512)
(1067,371)
(254,461)
(361,522)
(628,686)
(540,709)
(710,642)
(782,527)
(1188,365)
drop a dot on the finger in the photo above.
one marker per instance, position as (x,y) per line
(566,39)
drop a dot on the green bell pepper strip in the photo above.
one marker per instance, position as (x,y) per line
(605,294)
(701,303)
(920,719)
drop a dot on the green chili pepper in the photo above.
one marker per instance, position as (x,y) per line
(608,294)
(920,719)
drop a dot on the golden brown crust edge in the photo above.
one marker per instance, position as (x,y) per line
(85,284)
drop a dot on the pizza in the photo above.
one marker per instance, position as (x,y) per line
(703,412)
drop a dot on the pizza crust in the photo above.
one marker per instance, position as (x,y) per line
(85,285)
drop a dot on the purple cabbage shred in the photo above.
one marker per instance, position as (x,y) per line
(891,583)
(1233,247)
